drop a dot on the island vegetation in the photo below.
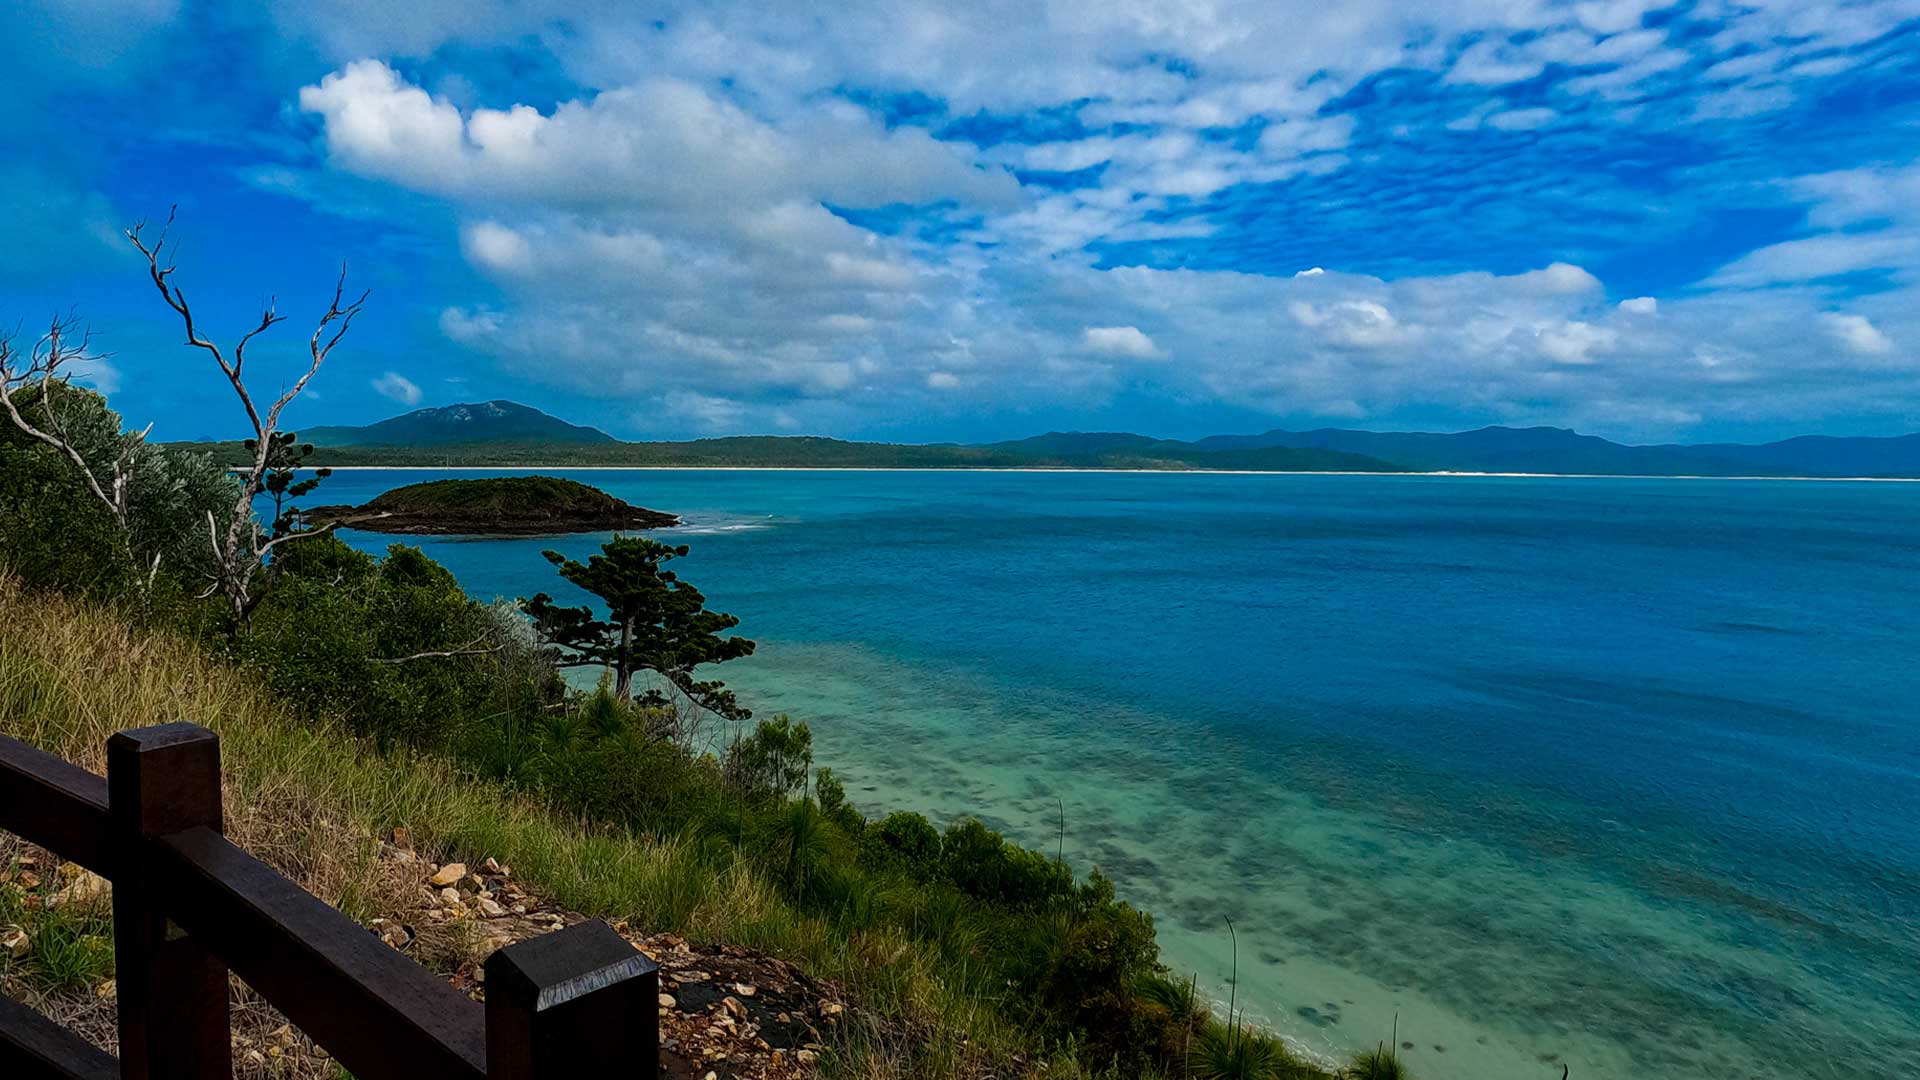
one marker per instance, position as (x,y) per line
(358,694)
(498,506)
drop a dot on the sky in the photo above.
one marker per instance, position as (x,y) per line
(931,221)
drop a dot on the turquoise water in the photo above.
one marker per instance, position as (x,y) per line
(1622,774)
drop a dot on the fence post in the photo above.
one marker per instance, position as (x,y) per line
(578,1002)
(172,992)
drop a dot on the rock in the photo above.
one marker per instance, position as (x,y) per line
(450,897)
(491,909)
(84,889)
(667,1001)
(15,941)
(492,867)
(448,874)
(733,1005)
(107,990)
(745,990)
(27,880)
(805,1057)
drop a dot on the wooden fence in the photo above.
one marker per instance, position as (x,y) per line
(188,906)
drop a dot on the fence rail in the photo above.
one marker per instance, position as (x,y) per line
(188,905)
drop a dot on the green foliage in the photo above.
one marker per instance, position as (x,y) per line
(1238,1052)
(773,761)
(70,945)
(53,533)
(58,534)
(282,479)
(504,497)
(1380,1063)
(905,840)
(831,795)
(392,645)
(982,864)
(655,622)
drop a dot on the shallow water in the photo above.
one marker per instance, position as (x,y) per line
(1616,773)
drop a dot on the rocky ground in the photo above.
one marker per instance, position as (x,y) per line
(725,1012)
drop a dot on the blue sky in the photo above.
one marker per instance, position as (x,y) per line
(920,220)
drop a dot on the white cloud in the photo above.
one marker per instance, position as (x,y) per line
(662,142)
(1574,342)
(495,246)
(669,240)
(1125,341)
(397,387)
(1521,119)
(1858,334)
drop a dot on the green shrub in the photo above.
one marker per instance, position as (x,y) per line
(982,864)
(55,534)
(906,841)
(1379,1063)
(1238,1052)
(392,645)
(773,761)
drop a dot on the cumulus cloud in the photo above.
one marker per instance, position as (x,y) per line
(397,387)
(745,228)
(660,143)
(1125,341)
(1858,334)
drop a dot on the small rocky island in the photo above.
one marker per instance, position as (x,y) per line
(503,506)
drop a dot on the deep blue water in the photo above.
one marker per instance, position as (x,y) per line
(1618,773)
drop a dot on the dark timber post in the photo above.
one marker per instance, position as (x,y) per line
(578,1002)
(172,992)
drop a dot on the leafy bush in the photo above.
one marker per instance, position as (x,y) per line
(773,761)
(56,535)
(905,840)
(1238,1052)
(984,865)
(59,534)
(393,645)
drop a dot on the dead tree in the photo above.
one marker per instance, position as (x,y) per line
(243,549)
(41,372)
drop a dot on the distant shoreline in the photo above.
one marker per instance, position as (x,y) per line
(1066,469)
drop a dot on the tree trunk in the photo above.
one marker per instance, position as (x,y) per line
(623,664)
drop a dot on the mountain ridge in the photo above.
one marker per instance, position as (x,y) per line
(498,420)
(505,433)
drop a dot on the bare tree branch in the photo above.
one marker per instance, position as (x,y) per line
(243,550)
(43,367)
(465,650)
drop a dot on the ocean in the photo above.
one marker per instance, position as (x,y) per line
(1618,774)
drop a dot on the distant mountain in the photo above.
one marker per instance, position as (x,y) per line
(1558,450)
(506,433)
(1490,449)
(472,424)
(1820,455)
